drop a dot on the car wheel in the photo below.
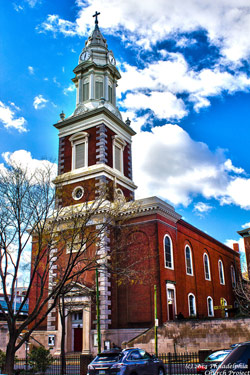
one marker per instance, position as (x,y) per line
(161,371)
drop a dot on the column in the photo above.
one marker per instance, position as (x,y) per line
(86,329)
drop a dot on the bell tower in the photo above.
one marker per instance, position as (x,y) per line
(94,142)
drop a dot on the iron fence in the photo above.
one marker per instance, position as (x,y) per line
(175,364)
(72,366)
(180,363)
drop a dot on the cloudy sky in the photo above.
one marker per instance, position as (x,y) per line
(185,85)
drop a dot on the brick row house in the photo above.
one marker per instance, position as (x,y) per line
(193,272)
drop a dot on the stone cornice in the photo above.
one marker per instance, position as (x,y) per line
(89,115)
(92,172)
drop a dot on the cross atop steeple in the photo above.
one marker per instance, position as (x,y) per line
(96,15)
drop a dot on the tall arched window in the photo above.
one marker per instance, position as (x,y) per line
(233,277)
(191,304)
(206,267)
(221,272)
(189,262)
(168,252)
(210,306)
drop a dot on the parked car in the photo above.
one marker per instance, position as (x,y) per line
(212,361)
(126,362)
(239,343)
(237,362)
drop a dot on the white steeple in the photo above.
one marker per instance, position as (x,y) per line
(96,75)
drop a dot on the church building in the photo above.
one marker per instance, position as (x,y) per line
(192,271)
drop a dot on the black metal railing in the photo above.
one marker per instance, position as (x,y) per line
(180,363)
(72,366)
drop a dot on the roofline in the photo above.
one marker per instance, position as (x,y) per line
(207,236)
(244,232)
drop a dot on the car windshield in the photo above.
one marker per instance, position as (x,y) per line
(239,358)
(108,357)
(217,356)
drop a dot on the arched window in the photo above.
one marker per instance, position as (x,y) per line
(191,305)
(189,262)
(210,306)
(168,252)
(206,267)
(221,272)
(233,277)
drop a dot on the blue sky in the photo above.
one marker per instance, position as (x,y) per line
(185,85)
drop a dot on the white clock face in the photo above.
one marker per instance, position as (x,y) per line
(85,56)
(112,60)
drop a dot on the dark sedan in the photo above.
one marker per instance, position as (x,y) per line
(126,362)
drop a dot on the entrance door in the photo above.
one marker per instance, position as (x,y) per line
(171,302)
(171,312)
(77,339)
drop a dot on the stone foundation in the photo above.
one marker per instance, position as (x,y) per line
(194,335)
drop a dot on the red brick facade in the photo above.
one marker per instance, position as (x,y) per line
(132,304)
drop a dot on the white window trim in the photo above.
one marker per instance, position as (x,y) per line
(120,143)
(171,252)
(70,247)
(210,298)
(171,286)
(76,139)
(195,311)
(233,276)
(220,265)
(208,262)
(191,261)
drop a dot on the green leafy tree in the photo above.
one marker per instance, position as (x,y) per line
(40,359)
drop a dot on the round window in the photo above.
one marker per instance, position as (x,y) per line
(78,193)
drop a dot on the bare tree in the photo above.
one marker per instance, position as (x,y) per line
(242,296)
(63,238)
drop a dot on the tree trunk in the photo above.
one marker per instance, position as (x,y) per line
(10,357)
(63,356)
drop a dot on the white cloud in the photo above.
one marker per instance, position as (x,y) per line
(167,79)
(55,24)
(17,8)
(201,208)
(246,225)
(33,3)
(240,242)
(227,23)
(175,167)
(229,166)
(31,69)
(39,102)
(9,119)
(163,104)
(69,89)
(24,159)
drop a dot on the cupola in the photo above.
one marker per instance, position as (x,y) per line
(96,75)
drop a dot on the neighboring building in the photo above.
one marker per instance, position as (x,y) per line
(245,233)
(192,271)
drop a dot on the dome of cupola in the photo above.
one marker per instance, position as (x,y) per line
(96,39)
